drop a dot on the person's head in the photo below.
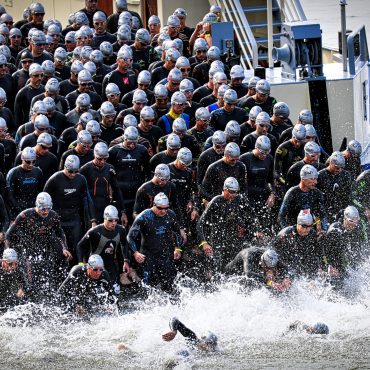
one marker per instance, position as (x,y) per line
(70,41)
(28,157)
(318,328)
(200,49)
(144,80)
(130,138)
(178,102)
(60,57)
(37,12)
(125,18)
(3,66)
(252,85)
(183,64)
(262,91)
(76,68)
(91,5)
(44,143)
(52,89)
(110,217)
(230,188)
(113,93)
(83,103)
(217,10)
(337,163)
(100,154)
(298,135)
(187,88)
(26,60)
(179,127)
(262,123)
(219,142)
(184,159)
(85,81)
(311,134)
(41,123)
(354,148)
(15,38)
(94,267)
(311,152)
(173,79)
(170,58)
(84,142)
(154,25)
(100,22)
(9,261)
(232,131)
(124,58)
(3,128)
(129,120)
(181,14)
(160,204)
(221,93)
(7,19)
(253,113)
(93,127)
(54,32)
(39,108)
(81,38)
(304,222)
(142,39)
(308,175)
(202,118)
(351,218)
(237,76)
(231,153)
(262,147)
(269,259)
(208,342)
(3,97)
(161,96)
(147,118)
(71,166)
(161,175)
(37,42)
(173,23)
(36,75)
(230,100)
(83,120)
(208,19)
(139,100)
(108,113)
(280,112)
(173,145)
(48,68)
(121,5)
(43,204)
(305,117)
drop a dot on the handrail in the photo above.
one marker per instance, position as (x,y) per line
(292,10)
(243,31)
(364,52)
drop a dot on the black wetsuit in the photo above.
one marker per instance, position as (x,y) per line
(95,98)
(303,254)
(226,225)
(84,158)
(110,245)
(208,157)
(337,190)
(110,133)
(248,102)
(249,143)
(79,290)
(293,176)
(187,141)
(156,237)
(10,283)
(201,92)
(296,200)
(216,175)
(103,188)
(220,117)
(160,158)
(126,82)
(39,242)
(22,189)
(71,199)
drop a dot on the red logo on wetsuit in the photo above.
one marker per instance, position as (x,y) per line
(125,80)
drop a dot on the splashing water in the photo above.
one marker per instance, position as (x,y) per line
(251,327)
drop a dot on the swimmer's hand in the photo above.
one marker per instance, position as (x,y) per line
(169,336)
(122,347)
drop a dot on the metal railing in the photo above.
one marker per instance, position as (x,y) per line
(233,11)
(292,10)
(364,52)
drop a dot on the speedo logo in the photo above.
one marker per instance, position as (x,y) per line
(69,191)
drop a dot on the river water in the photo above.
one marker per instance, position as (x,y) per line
(251,327)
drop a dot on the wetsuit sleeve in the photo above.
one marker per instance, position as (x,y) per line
(59,232)
(13,232)
(4,218)
(176,324)
(278,165)
(83,247)
(176,230)
(141,202)
(283,211)
(10,183)
(124,244)
(88,203)
(117,193)
(205,218)
(322,212)
(206,189)
(134,235)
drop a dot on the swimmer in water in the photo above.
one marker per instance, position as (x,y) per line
(318,328)
(205,343)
